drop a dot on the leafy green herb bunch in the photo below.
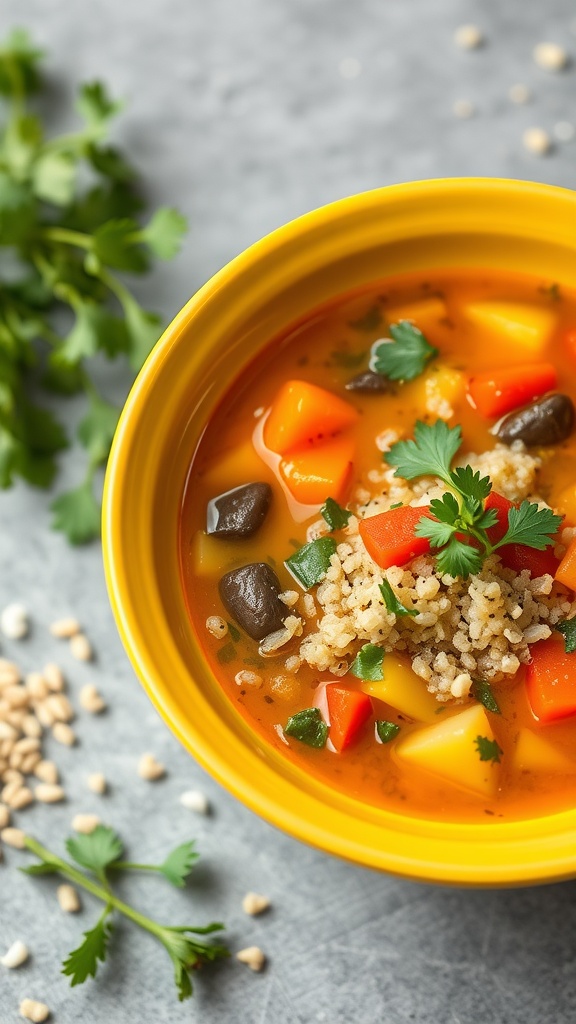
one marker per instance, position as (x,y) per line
(68,229)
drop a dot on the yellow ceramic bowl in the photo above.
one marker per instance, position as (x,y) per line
(467,222)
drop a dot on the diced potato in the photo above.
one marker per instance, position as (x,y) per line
(566,504)
(425,313)
(527,326)
(403,690)
(439,390)
(449,751)
(239,465)
(537,754)
(211,555)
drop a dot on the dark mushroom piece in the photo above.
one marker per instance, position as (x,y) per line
(369,382)
(239,512)
(250,596)
(546,421)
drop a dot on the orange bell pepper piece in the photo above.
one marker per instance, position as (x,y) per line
(303,415)
(551,680)
(314,473)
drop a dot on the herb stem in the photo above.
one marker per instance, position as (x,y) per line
(128,865)
(68,237)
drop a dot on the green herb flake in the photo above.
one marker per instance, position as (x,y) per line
(346,359)
(234,632)
(386,731)
(568,630)
(226,654)
(333,513)
(482,692)
(311,563)
(309,727)
(488,750)
(368,663)
(405,356)
(369,322)
(392,603)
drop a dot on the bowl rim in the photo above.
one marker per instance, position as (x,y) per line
(444,840)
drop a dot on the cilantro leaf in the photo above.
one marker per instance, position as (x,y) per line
(109,162)
(386,731)
(568,630)
(391,601)
(95,106)
(97,849)
(308,726)
(94,329)
(82,963)
(77,514)
(470,483)
(310,564)
(437,533)
(531,526)
(446,509)
(368,663)
(143,332)
(18,210)
(429,454)
(458,559)
(97,429)
(19,64)
(488,750)
(117,244)
(406,356)
(482,692)
(333,513)
(54,177)
(164,232)
(179,864)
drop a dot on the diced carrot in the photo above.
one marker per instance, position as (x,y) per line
(499,391)
(566,571)
(303,414)
(517,556)
(389,537)
(349,710)
(551,680)
(570,342)
(313,473)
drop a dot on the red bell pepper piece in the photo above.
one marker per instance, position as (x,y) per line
(551,680)
(348,710)
(499,391)
(518,556)
(389,537)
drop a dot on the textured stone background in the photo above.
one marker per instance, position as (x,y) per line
(239,114)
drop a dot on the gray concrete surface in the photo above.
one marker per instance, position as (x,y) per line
(239,114)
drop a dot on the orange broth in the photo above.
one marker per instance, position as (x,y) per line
(329,348)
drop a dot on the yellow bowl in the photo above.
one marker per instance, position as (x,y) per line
(468,222)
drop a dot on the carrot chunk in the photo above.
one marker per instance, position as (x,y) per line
(311,474)
(349,710)
(517,556)
(551,680)
(499,391)
(389,537)
(303,414)
(566,571)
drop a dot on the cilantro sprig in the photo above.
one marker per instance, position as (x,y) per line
(488,750)
(458,530)
(404,355)
(69,222)
(99,853)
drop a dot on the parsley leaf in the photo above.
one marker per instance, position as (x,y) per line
(97,429)
(471,483)
(97,849)
(77,513)
(311,563)
(309,727)
(406,356)
(531,525)
(568,630)
(429,454)
(458,559)
(368,663)
(82,962)
(164,233)
(482,692)
(437,533)
(391,601)
(488,750)
(386,731)
(179,864)
(333,513)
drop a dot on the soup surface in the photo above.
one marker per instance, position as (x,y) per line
(389,677)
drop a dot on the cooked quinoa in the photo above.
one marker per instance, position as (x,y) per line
(465,629)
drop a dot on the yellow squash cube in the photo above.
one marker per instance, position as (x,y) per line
(426,314)
(449,751)
(536,754)
(403,690)
(527,327)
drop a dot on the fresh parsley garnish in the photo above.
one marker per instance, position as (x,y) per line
(458,530)
(488,750)
(405,356)
(482,692)
(568,630)
(309,727)
(368,663)
(333,513)
(392,603)
(311,563)
(386,731)
(100,853)
(69,222)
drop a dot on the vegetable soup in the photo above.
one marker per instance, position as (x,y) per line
(378,545)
